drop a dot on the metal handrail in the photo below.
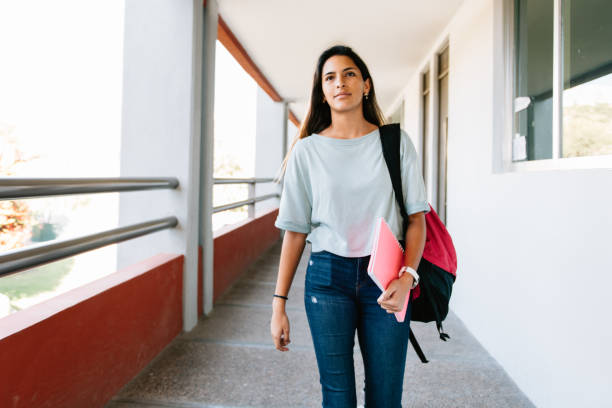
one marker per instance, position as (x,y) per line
(17,260)
(244,202)
(19,188)
(242,180)
(251,200)
(20,259)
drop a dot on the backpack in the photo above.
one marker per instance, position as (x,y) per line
(438,267)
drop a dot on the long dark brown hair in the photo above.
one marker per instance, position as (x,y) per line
(318,116)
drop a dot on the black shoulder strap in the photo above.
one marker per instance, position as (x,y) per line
(390,137)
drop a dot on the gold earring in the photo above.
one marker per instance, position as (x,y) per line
(366,96)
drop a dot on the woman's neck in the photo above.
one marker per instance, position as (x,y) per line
(348,125)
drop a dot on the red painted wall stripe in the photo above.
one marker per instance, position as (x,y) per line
(79,348)
(236,247)
(239,246)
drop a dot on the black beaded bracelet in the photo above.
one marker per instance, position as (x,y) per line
(284,297)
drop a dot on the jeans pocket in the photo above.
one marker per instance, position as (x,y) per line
(319,270)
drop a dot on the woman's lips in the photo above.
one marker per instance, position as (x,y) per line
(343,94)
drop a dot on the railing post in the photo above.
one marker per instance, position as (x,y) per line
(209,33)
(251,196)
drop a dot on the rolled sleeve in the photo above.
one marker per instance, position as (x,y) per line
(295,209)
(415,196)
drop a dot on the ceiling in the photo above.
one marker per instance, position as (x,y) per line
(284,38)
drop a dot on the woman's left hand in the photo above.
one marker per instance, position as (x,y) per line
(392,299)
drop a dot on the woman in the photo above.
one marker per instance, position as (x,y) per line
(336,186)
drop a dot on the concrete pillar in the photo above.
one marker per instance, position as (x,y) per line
(161,131)
(211,19)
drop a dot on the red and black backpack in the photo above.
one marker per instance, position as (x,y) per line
(438,267)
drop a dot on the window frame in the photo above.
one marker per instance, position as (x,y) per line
(505,96)
(425,96)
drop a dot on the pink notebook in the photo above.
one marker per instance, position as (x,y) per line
(386,259)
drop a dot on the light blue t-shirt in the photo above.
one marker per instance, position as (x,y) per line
(335,189)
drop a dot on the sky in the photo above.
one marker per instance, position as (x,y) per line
(61,90)
(61,73)
(590,93)
(60,81)
(235,111)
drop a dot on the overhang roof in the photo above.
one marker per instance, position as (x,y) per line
(285,37)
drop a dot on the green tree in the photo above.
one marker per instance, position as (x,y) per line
(15,216)
(587,130)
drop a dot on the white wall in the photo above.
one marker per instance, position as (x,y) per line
(161,131)
(271,124)
(533,246)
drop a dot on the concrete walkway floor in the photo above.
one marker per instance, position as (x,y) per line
(229,361)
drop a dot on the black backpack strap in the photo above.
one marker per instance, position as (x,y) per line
(390,137)
(417,348)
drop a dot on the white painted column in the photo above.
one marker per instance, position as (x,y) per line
(161,132)
(206,240)
(271,129)
(285,135)
(292,132)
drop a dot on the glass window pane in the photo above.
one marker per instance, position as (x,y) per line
(533,82)
(587,68)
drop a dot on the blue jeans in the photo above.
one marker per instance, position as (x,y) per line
(340,298)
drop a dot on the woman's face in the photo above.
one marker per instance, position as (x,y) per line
(342,83)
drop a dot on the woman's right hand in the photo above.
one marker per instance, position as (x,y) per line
(279,328)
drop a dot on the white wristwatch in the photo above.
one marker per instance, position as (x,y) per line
(411,271)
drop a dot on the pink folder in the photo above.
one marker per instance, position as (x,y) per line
(386,259)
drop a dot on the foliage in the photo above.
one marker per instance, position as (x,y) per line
(15,224)
(16,229)
(227,166)
(15,217)
(587,130)
(41,279)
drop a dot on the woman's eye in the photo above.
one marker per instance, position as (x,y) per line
(351,73)
(328,78)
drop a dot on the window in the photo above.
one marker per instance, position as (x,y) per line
(425,119)
(563,79)
(443,66)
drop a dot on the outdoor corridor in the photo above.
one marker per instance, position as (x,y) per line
(228,360)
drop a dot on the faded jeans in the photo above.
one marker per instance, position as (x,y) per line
(340,298)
